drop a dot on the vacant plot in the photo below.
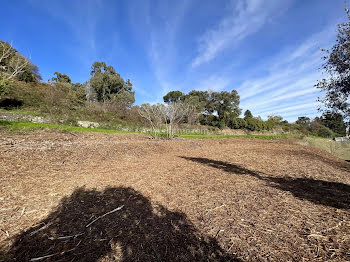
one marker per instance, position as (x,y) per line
(121,197)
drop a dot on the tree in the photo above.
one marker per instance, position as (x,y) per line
(108,84)
(200,100)
(14,65)
(337,66)
(173,96)
(176,112)
(192,114)
(226,104)
(154,114)
(335,122)
(62,78)
(91,95)
(276,119)
(303,120)
(31,74)
(248,114)
(169,115)
(215,108)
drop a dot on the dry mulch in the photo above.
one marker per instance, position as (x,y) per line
(99,197)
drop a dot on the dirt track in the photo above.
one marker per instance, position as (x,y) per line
(182,200)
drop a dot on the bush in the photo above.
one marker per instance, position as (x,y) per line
(237,123)
(325,132)
(4,85)
(269,124)
(49,98)
(209,120)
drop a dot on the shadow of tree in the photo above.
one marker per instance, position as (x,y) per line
(321,192)
(135,231)
(227,167)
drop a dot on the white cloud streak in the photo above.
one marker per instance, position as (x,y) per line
(288,84)
(162,51)
(246,17)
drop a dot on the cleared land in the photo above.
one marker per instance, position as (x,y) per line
(181,200)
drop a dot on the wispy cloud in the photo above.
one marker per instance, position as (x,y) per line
(287,87)
(163,46)
(163,52)
(245,18)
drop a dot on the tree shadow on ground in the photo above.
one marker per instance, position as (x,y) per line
(332,194)
(137,231)
(321,192)
(227,167)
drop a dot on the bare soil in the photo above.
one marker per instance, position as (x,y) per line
(99,197)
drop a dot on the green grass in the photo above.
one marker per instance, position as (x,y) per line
(28,126)
(240,136)
(339,149)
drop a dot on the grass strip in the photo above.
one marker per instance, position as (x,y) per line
(28,126)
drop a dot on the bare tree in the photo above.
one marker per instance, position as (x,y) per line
(146,112)
(15,64)
(18,65)
(192,114)
(176,113)
(154,114)
(168,116)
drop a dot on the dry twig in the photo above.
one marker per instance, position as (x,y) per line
(110,212)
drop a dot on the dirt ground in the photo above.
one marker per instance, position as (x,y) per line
(99,197)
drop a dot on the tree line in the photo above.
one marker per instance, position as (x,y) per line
(221,110)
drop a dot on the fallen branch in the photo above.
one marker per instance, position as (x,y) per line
(110,212)
(66,237)
(59,253)
(42,228)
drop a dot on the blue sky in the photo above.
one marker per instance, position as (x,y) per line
(268,50)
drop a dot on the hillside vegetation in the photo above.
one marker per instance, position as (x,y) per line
(108,99)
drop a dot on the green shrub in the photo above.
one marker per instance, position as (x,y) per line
(209,120)
(237,123)
(324,132)
(4,85)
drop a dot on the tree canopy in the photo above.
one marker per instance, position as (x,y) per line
(216,108)
(226,104)
(173,96)
(337,66)
(108,84)
(303,120)
(62,78)
(335,122)
(247,114)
